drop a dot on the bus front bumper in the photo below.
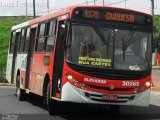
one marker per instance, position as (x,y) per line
(71,93)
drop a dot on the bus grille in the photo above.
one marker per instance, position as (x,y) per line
(99,98)
(107,89)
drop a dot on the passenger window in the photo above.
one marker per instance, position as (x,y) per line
(12,42)
(22,40)
(50,36)
(41,38)
(27,40)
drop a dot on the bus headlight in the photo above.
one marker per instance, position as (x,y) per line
(69,77)
(148,84)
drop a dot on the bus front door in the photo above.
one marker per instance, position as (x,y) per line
(58,60)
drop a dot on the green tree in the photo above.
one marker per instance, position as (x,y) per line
(5,30)
(157,23)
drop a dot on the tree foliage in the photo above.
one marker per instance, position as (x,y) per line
(157,24)
(5,30)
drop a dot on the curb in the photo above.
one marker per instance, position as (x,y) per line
(155,67)
(7,84)
(156,79)
(155,92)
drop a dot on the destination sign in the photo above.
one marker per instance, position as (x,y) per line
(92,14)
(120,17)
(114,15)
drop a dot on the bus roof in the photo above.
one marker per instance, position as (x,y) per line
(62,11)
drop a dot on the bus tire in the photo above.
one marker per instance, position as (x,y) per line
(52,105)
(20,92)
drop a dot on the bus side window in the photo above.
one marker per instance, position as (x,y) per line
(12,42)
(50,36)
(40,38)
(22,41)
(27,40)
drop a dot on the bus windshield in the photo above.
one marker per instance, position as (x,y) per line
(108,48)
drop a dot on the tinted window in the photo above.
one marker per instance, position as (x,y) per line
(12,41)
(41,38)
(46,36)
(27,40)
(22,40)
(50,36)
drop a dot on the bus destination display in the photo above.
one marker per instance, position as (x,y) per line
(113,15)
(92,14)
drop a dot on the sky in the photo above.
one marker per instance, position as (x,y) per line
(18,7)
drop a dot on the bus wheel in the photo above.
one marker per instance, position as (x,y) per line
(52,105)
(20,92)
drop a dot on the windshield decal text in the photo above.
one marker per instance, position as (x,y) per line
(95,61)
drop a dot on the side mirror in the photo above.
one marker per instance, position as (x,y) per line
(155,29)
(155,44)
(158,45)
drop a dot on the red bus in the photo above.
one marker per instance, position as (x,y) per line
(84,54)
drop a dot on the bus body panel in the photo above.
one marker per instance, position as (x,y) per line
(19,64)
(9,67)
(22,79)
(93,82)
(71,93)
(16,29)
(38,72)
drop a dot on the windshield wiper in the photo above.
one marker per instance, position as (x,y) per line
(129,38)
(125,43)
(99,33)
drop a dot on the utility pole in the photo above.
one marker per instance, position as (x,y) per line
(125,4)
(34,9)
(103,3)
(48,5)
(94,2)
(152,7)
(26,9)
(86,2)
(154,60)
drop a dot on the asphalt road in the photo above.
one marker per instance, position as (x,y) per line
(12,109)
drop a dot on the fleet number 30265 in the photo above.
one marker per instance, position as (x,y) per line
(130,83)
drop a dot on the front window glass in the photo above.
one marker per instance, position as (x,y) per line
(132,50)
(109,48)
(91,46)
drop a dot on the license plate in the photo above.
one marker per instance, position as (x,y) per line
(110,97)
